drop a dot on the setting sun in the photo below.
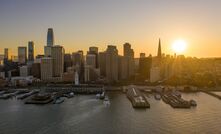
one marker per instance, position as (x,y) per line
(179,46)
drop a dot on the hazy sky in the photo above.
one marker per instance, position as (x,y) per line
(79,24)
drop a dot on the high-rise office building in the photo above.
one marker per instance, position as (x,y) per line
(46,69)
(142,55)
(36,70)
(78,58)
(57,53)
(50,37)
(78,63)
(47,51)
(123,67)
(22,55)
(159,53)
(91,74)
(112,63)
(50,43)
(145,64)
(30,51)
(91,60)
(94,51)
(128,52)
(67,62)
(7,54)
(154,74)
(102,63)
(129,60)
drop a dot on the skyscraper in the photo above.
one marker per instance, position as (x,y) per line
(145,64)
(128,52)
(102,63)
(57,53)
(159,53)
(7,54)
(142,55)
(50,37)
(22,55)
(50,43)
(129,64)
(123,67)
(30,51)
(112,63)
(91,60)
(94,51)
(67,62)
(78,63)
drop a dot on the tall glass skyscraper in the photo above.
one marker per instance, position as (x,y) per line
(31,51)
(50,37)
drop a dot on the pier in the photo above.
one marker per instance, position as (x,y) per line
(77,89)
(175,101)
(137,99)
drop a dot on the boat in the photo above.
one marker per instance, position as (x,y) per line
(102,96)
(70,95)
(58,100)
(106,101)
(157,96)
(98,96)
(193,103)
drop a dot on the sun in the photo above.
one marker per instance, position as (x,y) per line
(179,46)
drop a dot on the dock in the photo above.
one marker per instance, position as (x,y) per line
(137,99)
(40,99)
(77,89)
(175,101)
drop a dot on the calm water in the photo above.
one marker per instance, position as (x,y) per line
(86,115)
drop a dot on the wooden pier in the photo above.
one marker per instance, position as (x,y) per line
(137,99)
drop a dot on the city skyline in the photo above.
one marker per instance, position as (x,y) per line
(83,24)
(110,66)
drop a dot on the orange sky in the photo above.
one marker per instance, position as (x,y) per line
(79,25)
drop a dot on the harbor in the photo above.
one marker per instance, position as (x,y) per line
(138,96)
(53,94)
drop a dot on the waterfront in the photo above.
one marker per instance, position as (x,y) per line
(85,114)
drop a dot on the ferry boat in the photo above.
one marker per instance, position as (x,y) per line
(100,96)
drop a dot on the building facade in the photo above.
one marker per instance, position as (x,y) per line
(22,55)
(46,69)
(30,51)
(57,54)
